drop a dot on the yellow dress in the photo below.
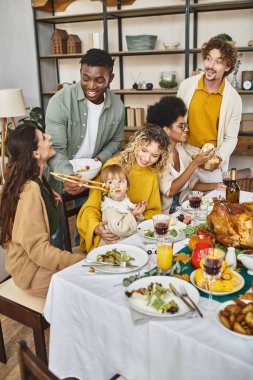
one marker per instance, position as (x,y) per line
(143,186)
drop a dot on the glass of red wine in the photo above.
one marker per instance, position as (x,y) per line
(212,259)
(195,198)
(226,178)
(161,225)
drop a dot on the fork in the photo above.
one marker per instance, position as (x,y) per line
(185,294)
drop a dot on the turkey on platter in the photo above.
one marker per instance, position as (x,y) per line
(232,223)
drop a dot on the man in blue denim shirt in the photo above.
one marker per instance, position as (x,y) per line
(86,119)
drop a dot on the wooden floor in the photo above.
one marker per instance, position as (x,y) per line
(13,332)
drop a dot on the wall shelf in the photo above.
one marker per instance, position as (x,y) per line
(186,8)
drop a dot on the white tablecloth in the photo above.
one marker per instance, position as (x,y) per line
(92,335)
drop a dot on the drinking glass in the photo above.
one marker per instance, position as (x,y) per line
(195,198)
(164,254)
(226,177)
(161,225)
(212,264)
(202,212)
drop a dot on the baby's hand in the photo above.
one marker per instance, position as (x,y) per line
(140,208)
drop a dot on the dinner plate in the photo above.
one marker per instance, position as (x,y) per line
(139,255)
(240,286)
(147,225)
(238,335)
(186,206)
(140,304)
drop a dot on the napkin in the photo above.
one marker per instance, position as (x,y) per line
(139,318)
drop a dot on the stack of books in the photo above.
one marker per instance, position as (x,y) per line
(134,117)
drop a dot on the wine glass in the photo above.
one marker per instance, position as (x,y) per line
(212,259)
(161,224)
(226,177)
(195,198)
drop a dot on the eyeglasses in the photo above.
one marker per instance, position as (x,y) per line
(182,126)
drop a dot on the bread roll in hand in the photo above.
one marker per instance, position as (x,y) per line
(214,162)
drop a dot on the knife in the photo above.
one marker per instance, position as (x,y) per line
(176,292)
(195,306)
(99,263)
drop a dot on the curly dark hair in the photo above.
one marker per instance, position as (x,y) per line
(165,112)
(98,57)
(228,52)
(22,166)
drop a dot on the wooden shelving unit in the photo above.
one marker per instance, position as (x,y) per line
(187,8)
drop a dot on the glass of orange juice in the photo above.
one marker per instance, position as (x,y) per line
(164,255)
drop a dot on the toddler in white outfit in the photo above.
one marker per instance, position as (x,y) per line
(120,213)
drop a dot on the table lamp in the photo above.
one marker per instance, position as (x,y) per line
(11,105)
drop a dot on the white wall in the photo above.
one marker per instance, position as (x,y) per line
(18,64)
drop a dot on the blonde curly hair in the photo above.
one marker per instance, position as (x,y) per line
(151,133)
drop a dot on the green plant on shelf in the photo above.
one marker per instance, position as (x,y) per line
(224,37)
(168,83)
(35,118)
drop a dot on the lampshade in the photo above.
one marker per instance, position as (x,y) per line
(12,103)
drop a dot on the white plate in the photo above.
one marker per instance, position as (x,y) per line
(80,163)
(221,307)
(140,304)
(139,255)
(186,206)
(148,225)
(239,287)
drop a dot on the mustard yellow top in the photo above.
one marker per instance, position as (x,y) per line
(143,186)
(203,115)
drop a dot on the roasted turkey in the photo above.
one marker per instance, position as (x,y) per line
(232,223)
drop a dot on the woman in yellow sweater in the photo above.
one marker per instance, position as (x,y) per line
(143,158)
(28,215)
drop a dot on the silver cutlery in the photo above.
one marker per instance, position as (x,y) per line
(185,294)
(178,294)
(122,264)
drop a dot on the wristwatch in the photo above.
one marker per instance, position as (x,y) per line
(247,85)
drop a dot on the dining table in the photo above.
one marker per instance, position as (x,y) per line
(94,335)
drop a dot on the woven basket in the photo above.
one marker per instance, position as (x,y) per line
(245,184)
(141,42)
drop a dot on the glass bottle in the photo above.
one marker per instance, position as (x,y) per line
(233,190)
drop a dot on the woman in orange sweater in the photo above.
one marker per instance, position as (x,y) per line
(28,214)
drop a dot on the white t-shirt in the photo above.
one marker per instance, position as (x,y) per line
(87,147)
(176,174)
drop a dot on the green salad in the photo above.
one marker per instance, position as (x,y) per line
(115,256)
(158,297)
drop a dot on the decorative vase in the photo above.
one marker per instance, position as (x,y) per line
(234,82)
(168,79)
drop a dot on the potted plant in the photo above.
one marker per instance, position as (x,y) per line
(36,118)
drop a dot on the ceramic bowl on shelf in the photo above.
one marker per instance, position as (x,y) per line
(171,45)
(141,42)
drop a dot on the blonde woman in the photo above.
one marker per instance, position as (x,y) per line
(143,158)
